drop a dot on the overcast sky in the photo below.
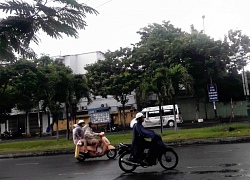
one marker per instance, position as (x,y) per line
(119,20)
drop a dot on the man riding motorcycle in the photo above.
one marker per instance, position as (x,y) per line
(156,146)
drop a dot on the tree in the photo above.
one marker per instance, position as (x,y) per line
(77,90)
(6,94)
(113,76)
(205,60)
(24,83)
(166,83)
(164,45)
(58,86)
(54,82)
(54,18)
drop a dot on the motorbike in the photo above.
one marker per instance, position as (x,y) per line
(114,128)
(168,159)
(106,148)
(7,135)
(10,135)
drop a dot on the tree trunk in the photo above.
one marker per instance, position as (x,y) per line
(41,120)
(123,115)
(67,115)
(175,123)
(197,109)
(160,110)
(55,119)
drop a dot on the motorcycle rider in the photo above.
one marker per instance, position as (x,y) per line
(90,136)
(139,143)
(78,135)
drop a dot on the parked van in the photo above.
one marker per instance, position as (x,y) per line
(152,116)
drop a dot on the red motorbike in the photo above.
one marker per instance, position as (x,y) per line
(106,148)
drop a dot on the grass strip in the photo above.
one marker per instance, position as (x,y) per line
(168,135)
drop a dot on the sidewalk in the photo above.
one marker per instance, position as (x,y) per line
(174,143)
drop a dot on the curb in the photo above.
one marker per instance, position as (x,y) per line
(228,140)
(42,153)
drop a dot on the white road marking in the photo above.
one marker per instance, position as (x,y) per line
(24,164)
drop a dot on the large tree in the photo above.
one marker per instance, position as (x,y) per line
(158,48)
(113,76)
(165,84)
(26,19)
(7,98)
(206,60)
(54,82)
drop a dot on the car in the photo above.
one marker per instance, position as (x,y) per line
(152,116)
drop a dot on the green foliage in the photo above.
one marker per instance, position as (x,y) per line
(6,91)
(25,83)
(113,76)
(54,82)
(54,18)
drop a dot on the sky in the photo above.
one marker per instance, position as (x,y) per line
(118,21)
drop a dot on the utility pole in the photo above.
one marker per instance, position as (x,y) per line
(242,61)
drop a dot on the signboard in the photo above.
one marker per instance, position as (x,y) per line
(99,115)
(212,92)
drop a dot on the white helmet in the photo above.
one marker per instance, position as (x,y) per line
(81,121)
(138,115)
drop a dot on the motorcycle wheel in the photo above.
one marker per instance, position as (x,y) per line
(124,166)
(111,154)
(169,159)
(81,157)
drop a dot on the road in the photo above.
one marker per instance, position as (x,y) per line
(223,161)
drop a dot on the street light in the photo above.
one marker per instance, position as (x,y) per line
(241,59)
(203,17)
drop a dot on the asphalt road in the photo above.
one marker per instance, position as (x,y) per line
(221,161)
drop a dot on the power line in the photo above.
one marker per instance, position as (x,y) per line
(103,3)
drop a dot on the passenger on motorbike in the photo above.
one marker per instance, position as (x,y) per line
(156,146)
(90,136)
(78,135)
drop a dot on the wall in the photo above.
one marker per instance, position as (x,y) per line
(107,102)
(77,62)
(188,109)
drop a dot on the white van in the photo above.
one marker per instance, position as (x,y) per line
(152,116)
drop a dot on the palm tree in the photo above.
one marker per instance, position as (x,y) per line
(166,83)
(179,79)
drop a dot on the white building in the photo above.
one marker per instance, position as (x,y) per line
(77,62)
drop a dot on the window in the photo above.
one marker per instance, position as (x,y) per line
(153,113)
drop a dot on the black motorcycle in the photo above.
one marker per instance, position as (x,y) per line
(168,159)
